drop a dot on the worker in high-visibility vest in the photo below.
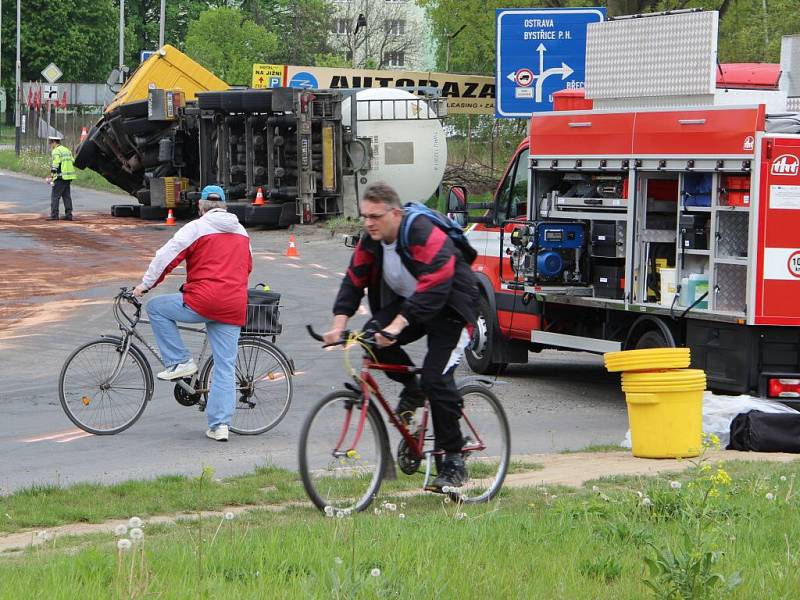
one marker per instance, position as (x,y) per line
(62,172)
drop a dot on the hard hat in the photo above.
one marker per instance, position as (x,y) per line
(213,192)
(53,138)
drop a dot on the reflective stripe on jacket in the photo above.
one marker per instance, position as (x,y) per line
(63,164)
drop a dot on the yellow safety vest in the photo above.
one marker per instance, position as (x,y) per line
(63,164)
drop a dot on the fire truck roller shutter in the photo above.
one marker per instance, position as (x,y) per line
(649,331)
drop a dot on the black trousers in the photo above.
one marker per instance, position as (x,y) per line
(60,190)
(437,378)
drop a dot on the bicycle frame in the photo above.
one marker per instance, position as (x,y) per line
(128,327)
(416,443)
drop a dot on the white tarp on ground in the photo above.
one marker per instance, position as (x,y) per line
(719,411)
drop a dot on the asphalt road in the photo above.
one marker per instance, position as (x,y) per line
(558,401)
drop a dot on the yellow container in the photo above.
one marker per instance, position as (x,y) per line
(648,359)
(665,412)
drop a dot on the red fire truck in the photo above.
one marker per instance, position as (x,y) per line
(624,229)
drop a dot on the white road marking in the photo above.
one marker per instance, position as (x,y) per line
(291,265)
(322,275)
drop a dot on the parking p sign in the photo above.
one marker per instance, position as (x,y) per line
(539,51)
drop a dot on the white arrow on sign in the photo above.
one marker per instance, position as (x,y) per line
(564,70)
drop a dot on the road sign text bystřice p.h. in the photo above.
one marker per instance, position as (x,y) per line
(539,52)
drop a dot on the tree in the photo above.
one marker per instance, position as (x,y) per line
(301,27)
(78,36)
(228,43)
(390,36)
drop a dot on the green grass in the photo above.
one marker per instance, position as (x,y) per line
(530,543)
(39,166)
(47,506)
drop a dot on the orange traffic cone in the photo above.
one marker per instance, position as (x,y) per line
(292,249)
(84,134)
(170,218)
(259,201)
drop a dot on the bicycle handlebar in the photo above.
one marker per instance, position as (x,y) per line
(367,336)
(127,295)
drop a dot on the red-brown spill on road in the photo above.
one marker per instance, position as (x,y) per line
(58,258)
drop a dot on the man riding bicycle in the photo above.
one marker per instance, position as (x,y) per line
(426,288)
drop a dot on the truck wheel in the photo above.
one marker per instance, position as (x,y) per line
(651,339)
(479,351)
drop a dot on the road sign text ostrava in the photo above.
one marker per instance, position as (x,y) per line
(539,51)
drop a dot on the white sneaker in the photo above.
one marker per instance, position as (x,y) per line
(177,371)
(220,434)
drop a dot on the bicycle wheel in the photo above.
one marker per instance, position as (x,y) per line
(339,473)
(263,386)
(488,444)
(94,404)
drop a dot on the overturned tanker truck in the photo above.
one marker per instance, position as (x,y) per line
(283,155)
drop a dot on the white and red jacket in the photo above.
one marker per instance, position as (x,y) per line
(218,258)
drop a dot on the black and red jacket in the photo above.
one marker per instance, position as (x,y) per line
(444,279)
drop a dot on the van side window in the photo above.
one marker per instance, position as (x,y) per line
(512,200)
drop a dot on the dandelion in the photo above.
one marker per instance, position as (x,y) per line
(378,511)
(229,516)
(446,489)
(136,534)
(403,504)
(675,485)
(120,530)
(376,572)
(124,545)
(595,489)
(770,496)
(134,522)
(328,511)
(347,512)
(447,499)
(640,494)
(783,478)
(338,560)
(460,515)
(340,514)
(391,507)
(646,502)
(401,516)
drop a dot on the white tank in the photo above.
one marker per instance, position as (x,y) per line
(409,148)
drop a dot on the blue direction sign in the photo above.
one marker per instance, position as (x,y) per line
(538,53)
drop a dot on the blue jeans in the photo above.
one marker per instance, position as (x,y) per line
(164,312)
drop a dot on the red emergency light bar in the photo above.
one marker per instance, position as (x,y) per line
(784,388)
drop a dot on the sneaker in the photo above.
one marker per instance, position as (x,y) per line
(452,474)
(410,400)
(177,371)
(52,218)
(68,218)
(220,434)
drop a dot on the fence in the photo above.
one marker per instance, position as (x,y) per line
(37,124)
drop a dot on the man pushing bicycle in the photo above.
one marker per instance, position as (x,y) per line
(418,283)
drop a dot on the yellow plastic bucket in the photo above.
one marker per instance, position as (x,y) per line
(647,359)
(665,412)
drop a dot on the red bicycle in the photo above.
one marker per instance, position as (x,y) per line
(344,443)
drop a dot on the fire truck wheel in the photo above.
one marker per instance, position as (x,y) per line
(651,339)
(479,352)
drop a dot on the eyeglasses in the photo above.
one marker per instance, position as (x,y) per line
(374,217)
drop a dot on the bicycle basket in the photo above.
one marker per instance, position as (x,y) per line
(263,313)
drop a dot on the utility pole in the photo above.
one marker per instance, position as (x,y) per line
(121,38)
(450,37)
(766,29)
(17,108)
(161,26)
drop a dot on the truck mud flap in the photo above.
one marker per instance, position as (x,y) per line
(126,210)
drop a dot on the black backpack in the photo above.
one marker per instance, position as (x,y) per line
(446,224)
